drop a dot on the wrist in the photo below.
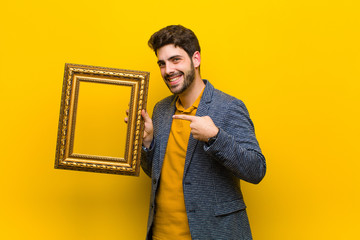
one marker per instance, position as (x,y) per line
(146,144)
(148,141)
(213,138)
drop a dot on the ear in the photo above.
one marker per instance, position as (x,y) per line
(196,58)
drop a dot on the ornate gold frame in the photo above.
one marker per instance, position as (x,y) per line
(65,158)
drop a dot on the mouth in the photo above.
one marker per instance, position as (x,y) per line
(174,79)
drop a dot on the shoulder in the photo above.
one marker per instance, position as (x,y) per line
(220,95)
(226,101)
(166,102)
(164,105)
(216,96)
(229,112)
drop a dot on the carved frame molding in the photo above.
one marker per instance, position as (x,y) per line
(65,158)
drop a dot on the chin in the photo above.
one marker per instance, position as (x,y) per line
(175,89)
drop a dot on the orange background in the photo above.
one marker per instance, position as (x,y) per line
(295,64)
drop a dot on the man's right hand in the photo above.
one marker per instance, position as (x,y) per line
(148,129)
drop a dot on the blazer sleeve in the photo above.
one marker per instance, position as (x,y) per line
(236,146)
(146,158)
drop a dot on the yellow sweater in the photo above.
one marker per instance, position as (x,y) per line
(170,222)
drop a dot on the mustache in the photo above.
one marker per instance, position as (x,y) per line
(168,76)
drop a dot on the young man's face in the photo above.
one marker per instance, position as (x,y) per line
(177,68)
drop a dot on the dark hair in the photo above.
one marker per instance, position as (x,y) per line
(175,34)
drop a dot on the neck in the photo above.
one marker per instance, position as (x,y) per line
(189,96)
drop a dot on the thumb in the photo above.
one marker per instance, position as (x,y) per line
(145,115)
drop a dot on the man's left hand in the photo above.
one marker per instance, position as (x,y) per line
(202,128)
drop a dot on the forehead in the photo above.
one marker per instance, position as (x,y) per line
(168,51)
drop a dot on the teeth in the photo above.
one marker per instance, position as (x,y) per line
(174,79)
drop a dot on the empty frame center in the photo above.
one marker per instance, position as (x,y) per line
(100,128)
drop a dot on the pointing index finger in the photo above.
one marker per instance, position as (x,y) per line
(185,117)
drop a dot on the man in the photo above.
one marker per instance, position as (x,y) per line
(198,144)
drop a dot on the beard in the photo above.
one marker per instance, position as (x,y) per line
(189,77)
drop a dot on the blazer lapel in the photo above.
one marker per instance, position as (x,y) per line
(202,110)
(165,132)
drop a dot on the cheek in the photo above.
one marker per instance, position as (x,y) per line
(162,71)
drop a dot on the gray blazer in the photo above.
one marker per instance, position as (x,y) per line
(213,199)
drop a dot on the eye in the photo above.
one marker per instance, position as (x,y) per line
(176,60)
(161,64)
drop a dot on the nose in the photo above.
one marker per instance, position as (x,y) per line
(169,69)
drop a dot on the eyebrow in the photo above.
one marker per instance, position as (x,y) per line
(169,59)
